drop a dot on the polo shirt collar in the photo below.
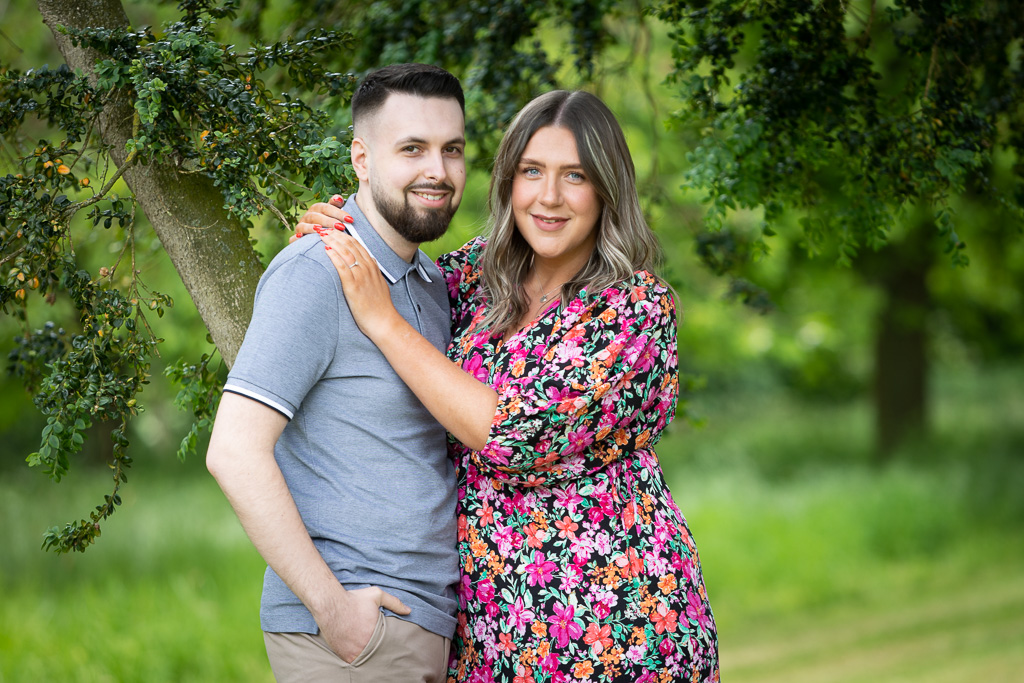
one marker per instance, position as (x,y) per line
(387,259)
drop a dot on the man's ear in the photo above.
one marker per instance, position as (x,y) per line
(360,159)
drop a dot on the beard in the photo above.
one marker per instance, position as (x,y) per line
(415,225)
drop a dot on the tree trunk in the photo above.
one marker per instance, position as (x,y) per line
(901,342)
(209,248)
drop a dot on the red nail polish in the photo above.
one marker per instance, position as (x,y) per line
(339,226)
(349,219)
(327,247)
(338,198)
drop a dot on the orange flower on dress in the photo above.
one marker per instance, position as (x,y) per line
(583,669)
(566,527)
(667,583)
(535,536)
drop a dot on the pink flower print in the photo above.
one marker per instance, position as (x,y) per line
(635,653)
(482,675)
(598,637)
(580,439)
(665,619)
(557,394)
(569,353)
(504,538)
(492,609)
(638,294)
(582,548)
(496,453)
(519,616)
(485,591)
(568,498)
(524,674)
(539,572)
(549,665)
(666,647)
(465,590)
(516,503)
(695,610)
(603,603)
(563,626)
(571,578)
(649,677)
(474,365)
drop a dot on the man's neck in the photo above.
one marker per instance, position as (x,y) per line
(401,246)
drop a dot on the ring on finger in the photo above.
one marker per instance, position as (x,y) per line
(354,264)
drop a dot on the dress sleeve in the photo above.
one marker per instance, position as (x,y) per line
(604,385)
(462,275)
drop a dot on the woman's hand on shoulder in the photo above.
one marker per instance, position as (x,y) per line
(366,290)
(322,216)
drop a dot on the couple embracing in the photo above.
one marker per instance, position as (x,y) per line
(448,466)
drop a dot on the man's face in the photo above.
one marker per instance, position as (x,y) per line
(415,163)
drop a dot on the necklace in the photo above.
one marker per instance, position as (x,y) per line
(547,295)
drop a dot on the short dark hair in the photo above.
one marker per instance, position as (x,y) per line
(422,80)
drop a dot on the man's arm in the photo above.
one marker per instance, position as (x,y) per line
(241,459)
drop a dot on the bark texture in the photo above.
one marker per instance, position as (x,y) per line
(209,248)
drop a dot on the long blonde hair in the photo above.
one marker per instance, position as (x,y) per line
(625,243)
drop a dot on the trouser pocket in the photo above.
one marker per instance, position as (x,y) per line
(379,631)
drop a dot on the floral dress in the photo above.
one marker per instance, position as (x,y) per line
(576,563)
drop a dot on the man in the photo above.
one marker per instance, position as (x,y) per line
(336,471)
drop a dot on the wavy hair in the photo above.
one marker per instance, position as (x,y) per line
(625,243)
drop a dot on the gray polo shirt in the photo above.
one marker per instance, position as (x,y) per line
(363,459)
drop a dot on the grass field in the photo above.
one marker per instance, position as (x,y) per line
(821,567)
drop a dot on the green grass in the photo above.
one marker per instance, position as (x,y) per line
(169,593)
(824,567)
(821,567)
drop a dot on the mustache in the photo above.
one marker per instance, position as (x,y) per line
(446,187)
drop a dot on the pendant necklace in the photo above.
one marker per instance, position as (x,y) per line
(544,297)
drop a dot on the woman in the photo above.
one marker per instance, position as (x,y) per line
(576,562)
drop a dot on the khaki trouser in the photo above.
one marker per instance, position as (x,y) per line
(398,651)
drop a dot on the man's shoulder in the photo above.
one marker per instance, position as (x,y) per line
(301,268)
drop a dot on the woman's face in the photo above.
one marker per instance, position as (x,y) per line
(556,207)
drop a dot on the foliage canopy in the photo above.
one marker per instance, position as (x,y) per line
(840,116)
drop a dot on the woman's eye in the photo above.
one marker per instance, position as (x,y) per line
(532,172)
(576,177)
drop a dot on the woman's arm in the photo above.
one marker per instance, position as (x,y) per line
(461,403)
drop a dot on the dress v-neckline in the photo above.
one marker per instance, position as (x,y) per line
(503,341)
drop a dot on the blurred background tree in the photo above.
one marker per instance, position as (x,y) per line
(867,134)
